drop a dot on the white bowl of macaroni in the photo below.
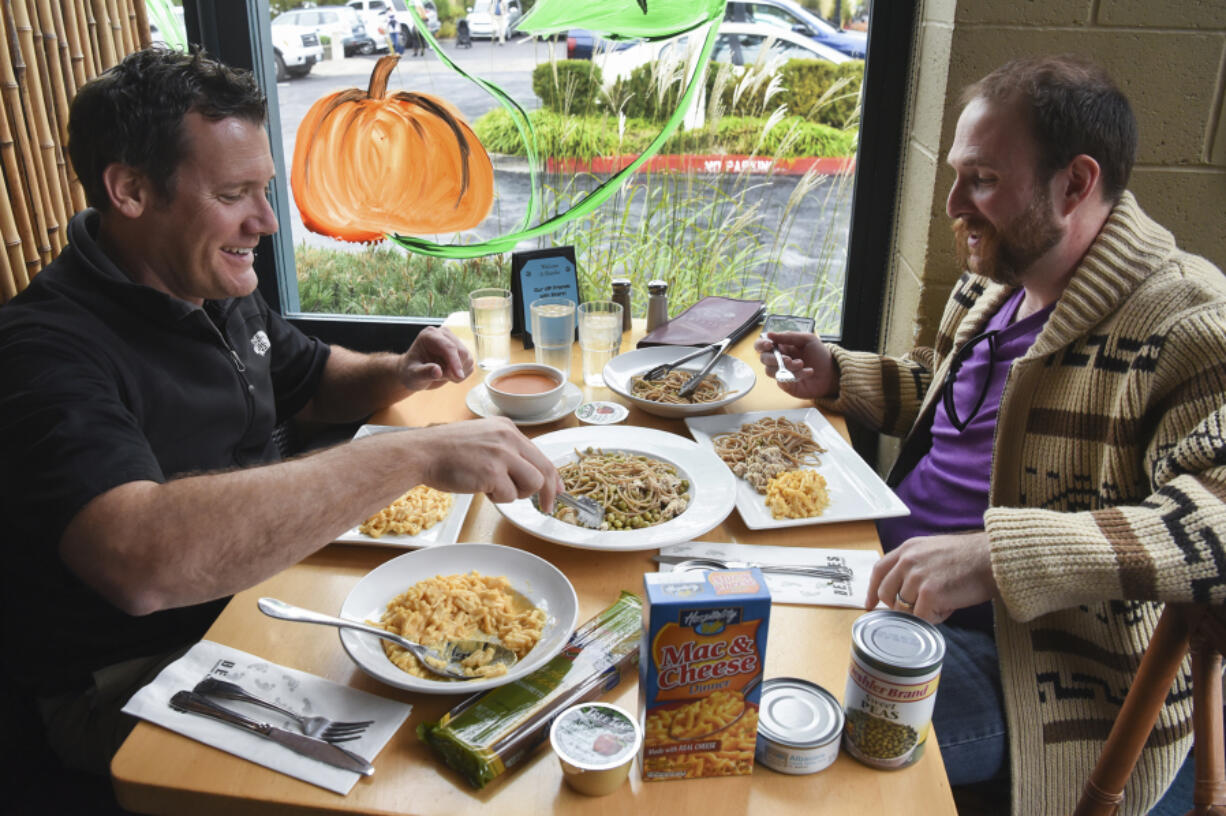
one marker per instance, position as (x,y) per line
(729,380)
(528,602)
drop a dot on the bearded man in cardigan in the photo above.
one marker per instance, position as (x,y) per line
(1064,456)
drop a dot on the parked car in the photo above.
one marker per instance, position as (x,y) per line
(795,17)
(295,49)
(581,43)
(340,24)
(738,44)
(481,18)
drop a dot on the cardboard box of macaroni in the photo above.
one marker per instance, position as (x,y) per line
(700,672)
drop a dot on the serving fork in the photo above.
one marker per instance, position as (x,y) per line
(320,727)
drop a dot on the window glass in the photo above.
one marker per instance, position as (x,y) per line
(764,215)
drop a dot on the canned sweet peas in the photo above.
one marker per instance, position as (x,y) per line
(891,688)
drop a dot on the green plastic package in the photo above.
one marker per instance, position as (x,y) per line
(493,731)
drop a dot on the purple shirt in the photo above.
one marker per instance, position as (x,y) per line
(947,491)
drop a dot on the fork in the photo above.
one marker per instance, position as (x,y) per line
(321,727)
(784,374)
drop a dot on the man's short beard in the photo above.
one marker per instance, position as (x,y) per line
(1004,257)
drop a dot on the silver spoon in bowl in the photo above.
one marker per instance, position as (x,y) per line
(444,660)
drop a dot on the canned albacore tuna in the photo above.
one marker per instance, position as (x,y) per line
(891,688)
(799,726)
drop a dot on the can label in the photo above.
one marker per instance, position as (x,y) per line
(888,717)
(796,760)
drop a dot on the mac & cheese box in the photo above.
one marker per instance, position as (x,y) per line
(700,672)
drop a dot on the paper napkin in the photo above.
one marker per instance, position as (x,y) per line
(293,689)
(793,589)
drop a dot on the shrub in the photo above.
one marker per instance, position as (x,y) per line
(651,92)
(586,137)
(446,31)
(568,86)
(823,92)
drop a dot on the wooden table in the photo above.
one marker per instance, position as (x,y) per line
(158,771)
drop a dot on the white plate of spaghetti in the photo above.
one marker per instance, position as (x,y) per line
(808,447)
(729,380)
(651,474)
(422,517)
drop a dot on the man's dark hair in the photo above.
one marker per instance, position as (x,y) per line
(133,114)
(1074,108)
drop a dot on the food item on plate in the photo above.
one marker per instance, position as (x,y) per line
(488,734)
(666,389)
(793,440)
(456,607)
(419,509)
(797,494)
(635,491)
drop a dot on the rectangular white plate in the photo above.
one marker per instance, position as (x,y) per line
(446,531)
(856,491)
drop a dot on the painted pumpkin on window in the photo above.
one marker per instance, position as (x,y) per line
(367,164)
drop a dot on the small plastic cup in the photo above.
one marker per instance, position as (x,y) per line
(596,744)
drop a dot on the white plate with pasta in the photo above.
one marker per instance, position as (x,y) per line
(538,582)
(734,379)
(854,490)
(676,467)
(443,513)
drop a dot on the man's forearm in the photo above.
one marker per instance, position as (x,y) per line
(355,385)
(147,546)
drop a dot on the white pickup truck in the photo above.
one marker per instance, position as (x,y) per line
(295,49)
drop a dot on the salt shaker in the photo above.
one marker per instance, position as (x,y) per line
(621,294)
(657,304)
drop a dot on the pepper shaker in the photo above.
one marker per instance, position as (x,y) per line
(621,294)
(657,304)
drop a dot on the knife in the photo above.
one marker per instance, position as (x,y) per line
(834,572)
(307,746)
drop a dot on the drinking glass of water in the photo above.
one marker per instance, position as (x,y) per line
(553,332)
(489,315)
(600,337)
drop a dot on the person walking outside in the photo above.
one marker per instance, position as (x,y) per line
(500,21)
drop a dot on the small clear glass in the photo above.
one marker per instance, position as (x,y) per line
(600,337)
(553,332)
(489,315)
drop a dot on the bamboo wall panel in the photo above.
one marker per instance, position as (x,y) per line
(49,49)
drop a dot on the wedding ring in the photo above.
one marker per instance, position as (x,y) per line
(907,606)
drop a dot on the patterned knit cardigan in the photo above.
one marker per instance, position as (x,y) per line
(1107,492)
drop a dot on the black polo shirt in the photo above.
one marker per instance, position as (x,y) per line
(104,382)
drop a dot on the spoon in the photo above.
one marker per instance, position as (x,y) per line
(445,660)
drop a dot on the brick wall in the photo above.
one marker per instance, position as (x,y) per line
(1169,58)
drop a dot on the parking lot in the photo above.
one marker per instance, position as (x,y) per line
(510,67)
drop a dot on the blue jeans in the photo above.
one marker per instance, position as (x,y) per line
(969,715)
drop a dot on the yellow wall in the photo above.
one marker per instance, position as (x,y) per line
(1168,57)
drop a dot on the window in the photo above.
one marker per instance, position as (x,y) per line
(867,205)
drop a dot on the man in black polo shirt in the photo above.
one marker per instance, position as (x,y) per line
(141,377)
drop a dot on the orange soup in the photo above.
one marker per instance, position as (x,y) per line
(525,382)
